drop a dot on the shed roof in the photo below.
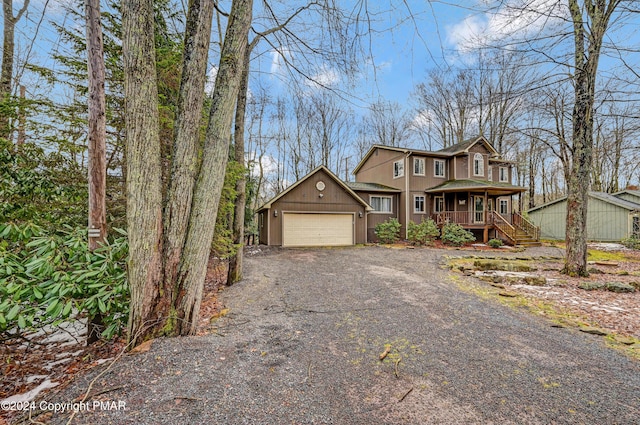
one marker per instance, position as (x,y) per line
(629,191)
(602,196)
(335,178)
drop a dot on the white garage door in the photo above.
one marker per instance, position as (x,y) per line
(317,229)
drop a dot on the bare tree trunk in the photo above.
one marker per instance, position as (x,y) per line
(184,166)
(211,178)
(97,126)
(532,174)
(6,74)
(22,118)
(235,263)
(144,179)
(97,122)
(588,37)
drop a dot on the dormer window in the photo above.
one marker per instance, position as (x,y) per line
(478,165)
(398,169)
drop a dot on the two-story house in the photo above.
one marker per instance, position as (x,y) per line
(468,183)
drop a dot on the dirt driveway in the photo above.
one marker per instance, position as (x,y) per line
(301,345)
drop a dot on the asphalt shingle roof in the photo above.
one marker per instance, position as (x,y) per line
(469,184)
(372,187)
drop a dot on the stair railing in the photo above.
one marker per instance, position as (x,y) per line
(504,226)
(527,226)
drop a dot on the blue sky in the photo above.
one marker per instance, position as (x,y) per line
(411,38)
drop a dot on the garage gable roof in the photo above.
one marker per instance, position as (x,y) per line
(316,170)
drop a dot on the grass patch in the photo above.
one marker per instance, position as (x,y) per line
(597,255)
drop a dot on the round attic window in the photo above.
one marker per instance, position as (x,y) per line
(320,185)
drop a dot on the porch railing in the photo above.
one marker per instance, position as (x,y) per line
(460,217)
(524,224)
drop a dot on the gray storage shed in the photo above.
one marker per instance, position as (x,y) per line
(609,218)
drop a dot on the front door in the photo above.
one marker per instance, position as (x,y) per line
(478,209)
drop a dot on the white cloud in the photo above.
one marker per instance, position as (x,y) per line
(512,21)
(327,77)
(210,84)
(278,61)
(422,120)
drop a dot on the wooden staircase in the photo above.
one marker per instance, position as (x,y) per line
(525,239)
(521,232)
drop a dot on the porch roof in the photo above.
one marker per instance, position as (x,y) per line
(492,188)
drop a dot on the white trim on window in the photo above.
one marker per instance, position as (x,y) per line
(478,164)
(504,206)
(381,204)
(419,202)
(438,204)
(418,166)
(398,169)
(490,173)
(504,175)
(438,171)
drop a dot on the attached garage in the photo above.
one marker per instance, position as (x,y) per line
(315,229)
(317,210)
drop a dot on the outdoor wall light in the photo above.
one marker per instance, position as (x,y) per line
(275,213)
(360,214)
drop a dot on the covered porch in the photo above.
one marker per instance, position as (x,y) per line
(486,208)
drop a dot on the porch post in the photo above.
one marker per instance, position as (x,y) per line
(486,218)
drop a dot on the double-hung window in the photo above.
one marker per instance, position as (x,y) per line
(380,204)
(438,168)
(504,174)
(398,168)
(418,166)
(418,204)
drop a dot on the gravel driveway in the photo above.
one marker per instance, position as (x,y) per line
(301,345)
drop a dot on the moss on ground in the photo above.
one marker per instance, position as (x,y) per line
(559,316)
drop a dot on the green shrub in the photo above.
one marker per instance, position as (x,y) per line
(495,243)
(423,233)
(454,234)
(631,243)
(388,231)
(49,277)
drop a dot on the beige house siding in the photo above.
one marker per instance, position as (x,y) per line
(605,221)
(462,167)
(375,218)
(420,183)
(379,168)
